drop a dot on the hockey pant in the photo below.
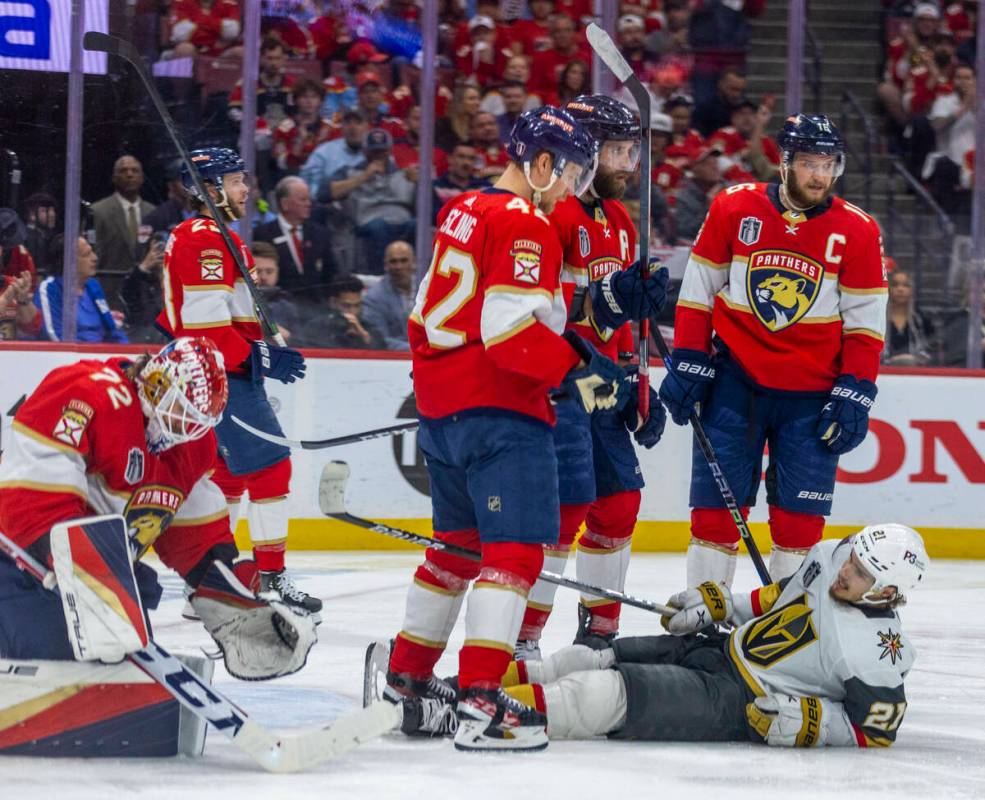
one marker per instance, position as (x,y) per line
(602,559)
(266,511)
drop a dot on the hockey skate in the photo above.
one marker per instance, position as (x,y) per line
(527,650)
(489,719)
(428,716)
(281,584)
(588,637)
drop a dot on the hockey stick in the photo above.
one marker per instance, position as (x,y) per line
(271,751)
(99,42)
(321,444)
(603,45)
(331,499)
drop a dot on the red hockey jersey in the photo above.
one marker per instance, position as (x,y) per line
(78,448)
(485,329)
(204,291)
(595,240)
(798,298)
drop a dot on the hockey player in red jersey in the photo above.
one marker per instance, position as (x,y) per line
(132,439)
(205,294)
(599,477)
(789,282)
(485,334)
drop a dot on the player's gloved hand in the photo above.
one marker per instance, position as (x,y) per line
(280,363)
(708,604)
(687,383)
(600,385)
(623,295)
(647,432)
(785,721)
(844,420)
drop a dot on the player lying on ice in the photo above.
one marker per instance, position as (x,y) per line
(816,659)
(131,440)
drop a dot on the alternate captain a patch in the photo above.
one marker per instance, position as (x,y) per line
(76,416)
(526,261)
(782,286)
(211,263)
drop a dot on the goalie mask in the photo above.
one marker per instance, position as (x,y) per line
(894,555)
(182,391)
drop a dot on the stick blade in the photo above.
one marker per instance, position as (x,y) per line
(268,437)
(602,44)
(100,42)
(331,488)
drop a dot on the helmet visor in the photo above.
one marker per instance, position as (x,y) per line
(578,177)
(620,156)
(823,165)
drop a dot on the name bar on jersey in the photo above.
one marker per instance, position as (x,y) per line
(786,260)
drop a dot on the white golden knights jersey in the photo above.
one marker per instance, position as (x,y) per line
(805,643)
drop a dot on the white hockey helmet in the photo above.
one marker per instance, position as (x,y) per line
(894,555)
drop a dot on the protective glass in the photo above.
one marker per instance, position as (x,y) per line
(620,156)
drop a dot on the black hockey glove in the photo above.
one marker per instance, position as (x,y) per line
(623,295)
(280,363)
(647,432)
(687,383)
(600,385)
(844,420)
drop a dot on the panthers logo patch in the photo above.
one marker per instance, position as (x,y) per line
(782,286)
(149,513)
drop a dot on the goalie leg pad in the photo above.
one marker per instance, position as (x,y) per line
(93,565)
(585,704)
(259,639)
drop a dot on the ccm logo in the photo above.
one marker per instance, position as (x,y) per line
(696,369)
(855,397)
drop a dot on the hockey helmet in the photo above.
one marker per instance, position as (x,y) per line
(816,134)
(894,555)
(183,390)
(212,163)
(552,129)
(608,120)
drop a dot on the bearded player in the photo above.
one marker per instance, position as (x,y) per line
(131,441)
(598,473)
(777,337)
(206,295)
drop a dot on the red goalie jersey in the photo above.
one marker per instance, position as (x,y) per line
(485,329)
(595,241)
(798,298)
(204,291)
(78,448)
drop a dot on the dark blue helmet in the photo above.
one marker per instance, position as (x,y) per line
(212,163)
(816,134)
(560,134)
(604,118)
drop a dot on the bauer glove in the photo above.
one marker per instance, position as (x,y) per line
(687,383)
(280,363)
(785,721)
(624,295)
(600,385)
(709,604)
(647,432)
(844,420)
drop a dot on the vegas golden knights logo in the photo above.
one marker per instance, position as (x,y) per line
(780,633)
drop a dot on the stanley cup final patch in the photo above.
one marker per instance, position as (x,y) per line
(211,263)
(526,261)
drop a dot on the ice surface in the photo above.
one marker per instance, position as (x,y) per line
(940,751)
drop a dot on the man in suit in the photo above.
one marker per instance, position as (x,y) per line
(119,216)
(304,248)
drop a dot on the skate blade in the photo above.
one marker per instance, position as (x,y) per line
(471,738)
(374,673)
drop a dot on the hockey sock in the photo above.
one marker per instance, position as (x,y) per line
(603,551)
(793,535)
(541,599)
(433,602)
(267,514)
(714,544)
(495,611)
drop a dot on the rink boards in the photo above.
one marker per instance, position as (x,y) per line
(923,462)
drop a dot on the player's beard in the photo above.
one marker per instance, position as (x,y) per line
(610,184)
(799,197)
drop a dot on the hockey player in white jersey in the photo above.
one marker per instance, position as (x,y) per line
(816,659)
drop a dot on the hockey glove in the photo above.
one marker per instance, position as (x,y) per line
(844,420)
(588,384)
(687,383)
(280,363)
(623,295)
(709,604)
(785,721)
(647,432)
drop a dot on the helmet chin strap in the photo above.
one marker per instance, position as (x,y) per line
(538,190)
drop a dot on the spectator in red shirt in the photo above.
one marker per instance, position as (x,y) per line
(407,150)
(490,155)
(483,58)
(574,81)
(274,88)
(534,35)
(961,19)
(456,126)
(912,48)
(631,35)
(206,27)
(685,141)
(408,94)
(484,8)
(295,36)
(929,79)
(331,36)
(663,174)
(370,103)
(547,65)
(581,11)
(517,71)
(749,155)
(298,135)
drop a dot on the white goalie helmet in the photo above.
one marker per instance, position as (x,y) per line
(894,555)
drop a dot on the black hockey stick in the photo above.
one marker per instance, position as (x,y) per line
(603,45)
(331,499)
(99,42)
(321,444)
(273,752)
